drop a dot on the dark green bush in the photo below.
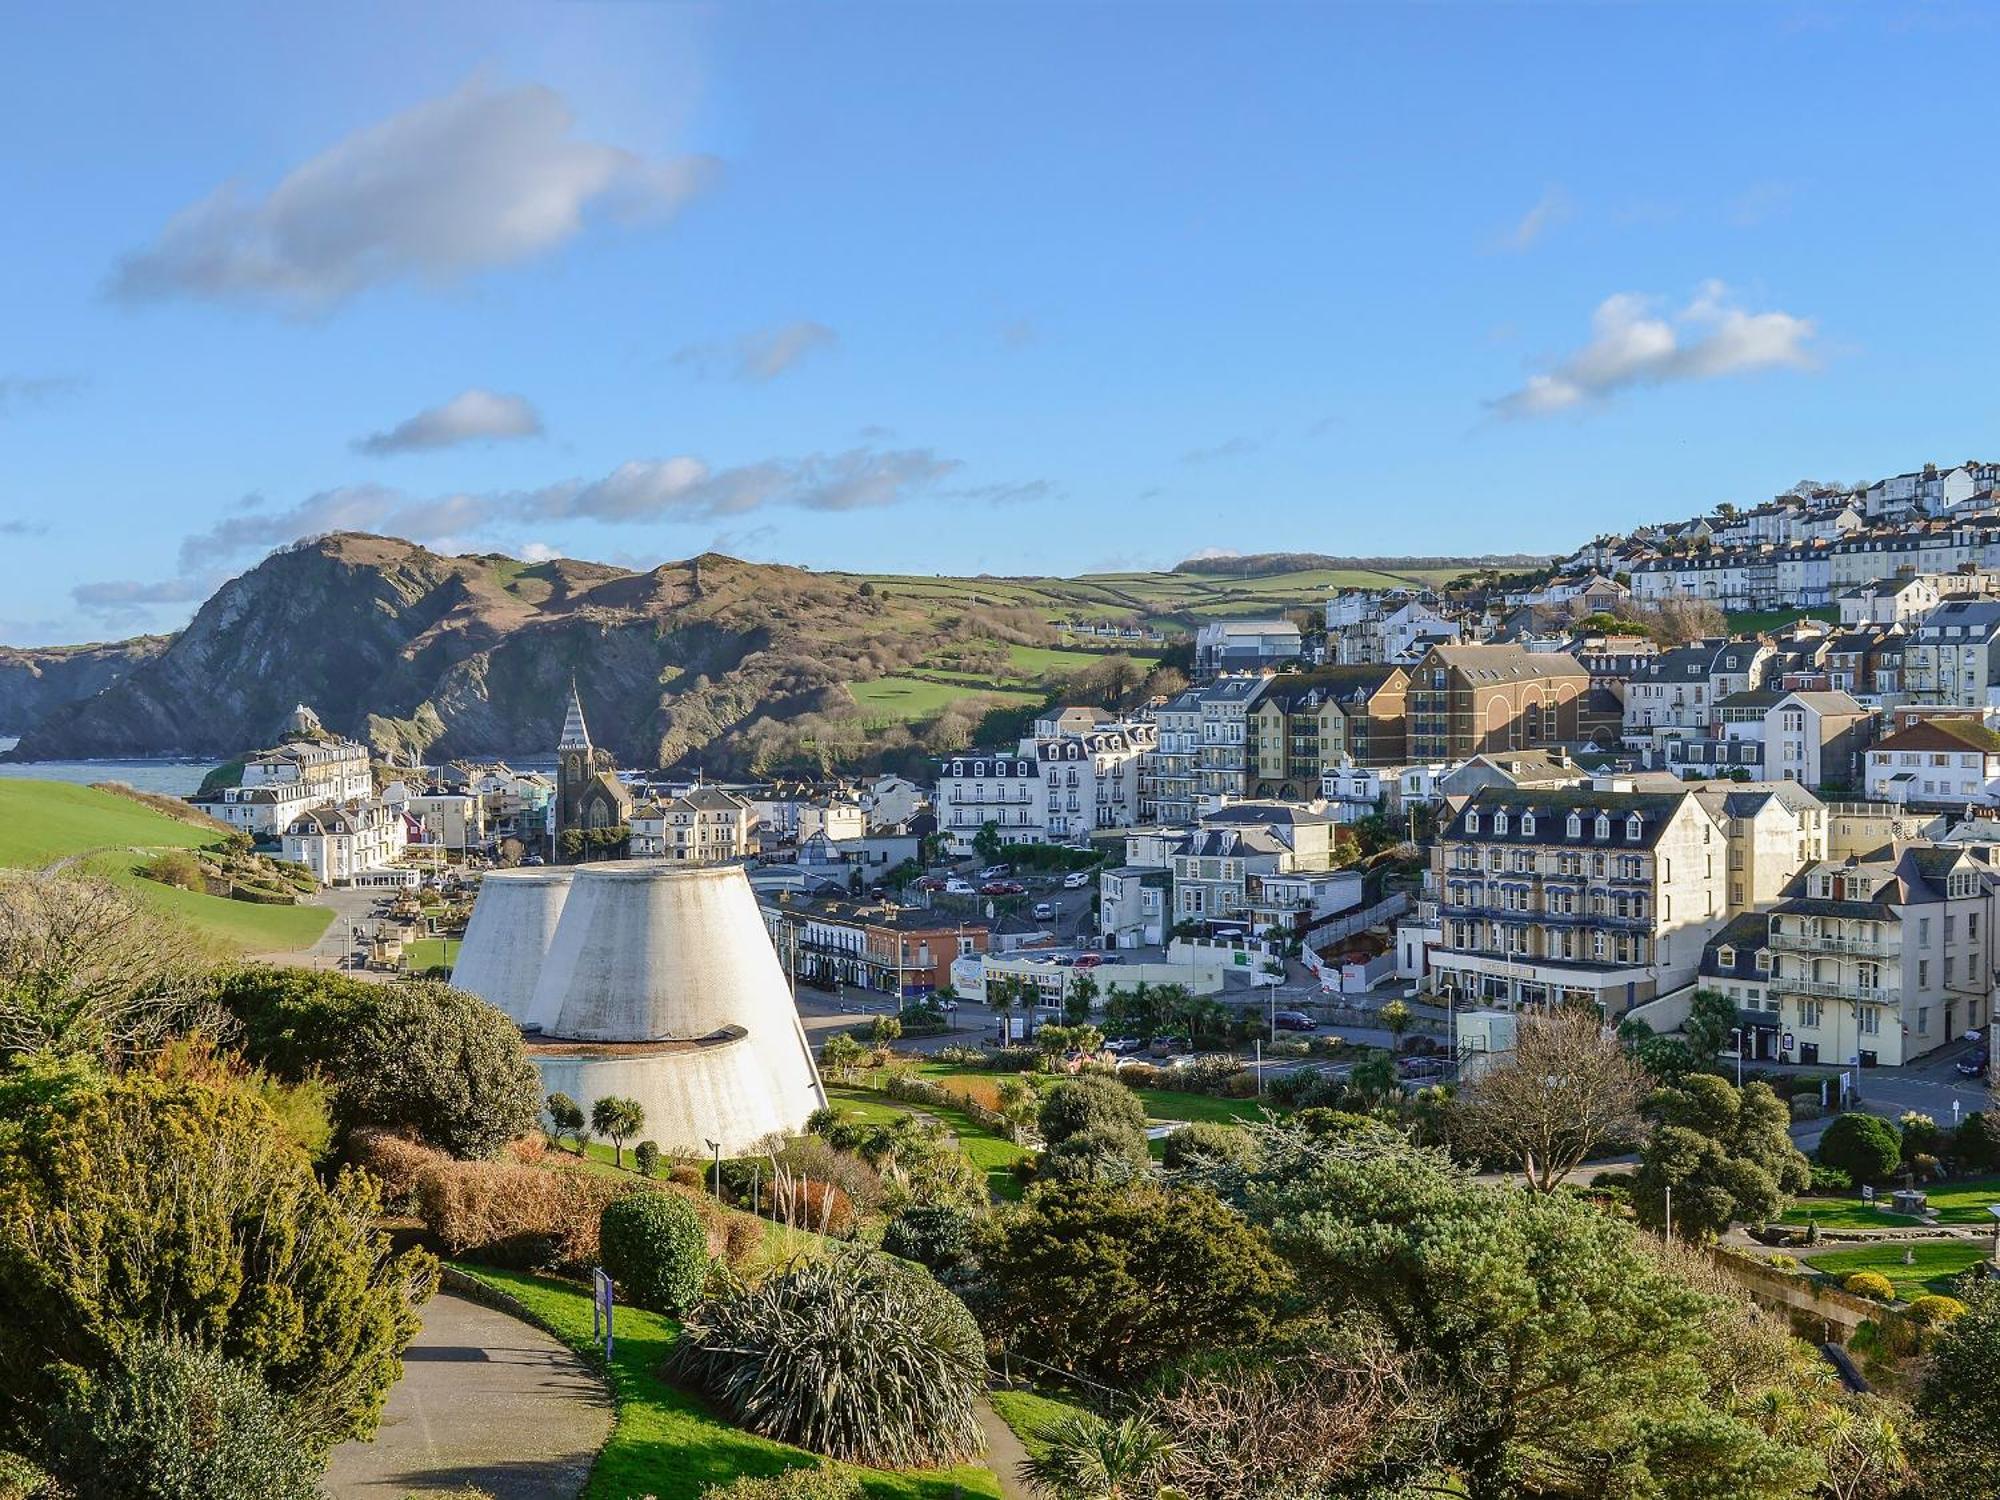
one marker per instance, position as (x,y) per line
(654,1247)
(1208,1143)
(1864,1146)
(856,1356)
(1098,1153)
(933,1235)
(1077,1104)
(646,1157)
(173,1422)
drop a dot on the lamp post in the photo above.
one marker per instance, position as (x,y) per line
(716,1185)
(1736,1036)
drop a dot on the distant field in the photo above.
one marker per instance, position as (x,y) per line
(44,821)
(1035,660)
(911,699)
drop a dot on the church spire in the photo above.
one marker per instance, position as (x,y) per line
(574,735)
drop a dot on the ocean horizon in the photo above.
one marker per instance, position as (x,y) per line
(171,778)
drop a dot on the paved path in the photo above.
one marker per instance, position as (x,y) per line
(485,1401)
(1004,1453)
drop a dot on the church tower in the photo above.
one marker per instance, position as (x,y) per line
(574,767)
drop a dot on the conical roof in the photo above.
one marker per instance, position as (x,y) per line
(574,735)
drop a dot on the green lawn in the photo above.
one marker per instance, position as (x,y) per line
(1935,1263)
(1956,1203)
(424,953)
(1171,1104)
(909,699)
(994,1155)
(666,1442)
(43,821)
(1027,1413)
(1035,660)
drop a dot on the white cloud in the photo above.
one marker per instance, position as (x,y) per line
(1236,447)
(762,355)
(467,417)
(126,601)
(1551,209)
(539,552)
(18,391)
(682,487)
(482,177)
(1632,343)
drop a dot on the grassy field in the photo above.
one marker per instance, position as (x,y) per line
(1027,1413)
(1956,1203)
(43,821)
(1161,1104)
(1935,1263)
(992,1154)
(1035,660)
(666,1442)
(424,953)
(909,700)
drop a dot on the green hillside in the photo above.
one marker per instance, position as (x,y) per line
(45,821)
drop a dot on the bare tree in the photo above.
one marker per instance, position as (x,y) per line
(1566,1088)
(87,968)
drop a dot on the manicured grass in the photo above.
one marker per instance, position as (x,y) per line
(1935,1265)
(426,952)
(41,821)
(1956,1203)
(1171,1104)
(994,1155)
(666,1442)
(44,821)
(1028,1412)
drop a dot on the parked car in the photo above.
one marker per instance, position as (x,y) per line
(1420,1067)
(995,888)
(532,859)
(1294,1020)
(1124,1044)
(1089,960)
(1045,911)
(930,882)
(1975,1063)
(1076,880)
(957,887)
(994,872)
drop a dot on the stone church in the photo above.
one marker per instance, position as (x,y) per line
(586,798)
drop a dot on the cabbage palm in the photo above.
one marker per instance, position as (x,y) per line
(1087,1458)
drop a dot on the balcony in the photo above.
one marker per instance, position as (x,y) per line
(1813,942)
(1452,909)
(1837,989)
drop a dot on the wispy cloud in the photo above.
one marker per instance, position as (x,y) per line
(759,356)
(1634,344)
(1551,209)
(471,416)
(1761,202)
(1236,447)
(1019,333)
(479,178)
(18,527)
(126,602)
(18,392)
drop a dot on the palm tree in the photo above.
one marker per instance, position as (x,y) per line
(1087,1458)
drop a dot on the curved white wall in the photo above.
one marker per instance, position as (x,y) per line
(513,922)
(736,1092)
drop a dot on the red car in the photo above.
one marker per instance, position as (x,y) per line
(994,888)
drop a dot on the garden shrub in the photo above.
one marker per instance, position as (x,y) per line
(1213,1074)
(1933,1311)
(807,1203)
(1827,1179)
(653,1245)
(513,1215)
(1107,1153)
(933,1235)
(1139,1076)
(1205,1143)
(1239,1086)
(856,1356)
(1975,1145)
(1078,1104)
(646,1158)
(823,1483)
(1921,1135)
(1782,1262)
(1864,1146)
(171,1421)
(1870,1284)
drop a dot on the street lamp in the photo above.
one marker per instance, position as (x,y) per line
(716,1147)
(1736,1036)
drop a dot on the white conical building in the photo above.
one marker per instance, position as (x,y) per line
(657,982)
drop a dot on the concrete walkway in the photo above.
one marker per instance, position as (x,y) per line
(1004,1453)
(485,1402)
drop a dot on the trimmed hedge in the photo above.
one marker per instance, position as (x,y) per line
(654,1247)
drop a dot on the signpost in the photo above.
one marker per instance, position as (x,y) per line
(600,1310)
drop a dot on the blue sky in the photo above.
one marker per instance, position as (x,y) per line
(960,288)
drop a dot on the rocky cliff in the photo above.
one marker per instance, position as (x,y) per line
(730,665)
(36,683)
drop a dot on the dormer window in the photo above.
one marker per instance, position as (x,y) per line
(1472,822)
(1576,825)
(1725,957)
(1500,822)
(1528,825)
(1763,962)
(1603,825)
(1632,828)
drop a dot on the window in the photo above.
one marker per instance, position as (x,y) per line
(1763,962)
(1575,826)
(1923,973)
(1632,828)
(1527,825)
(1725,957)
(1500,822)
(1472,822)
(1871,1020)
(1603,825)
(1923,932)
(1809,1013)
